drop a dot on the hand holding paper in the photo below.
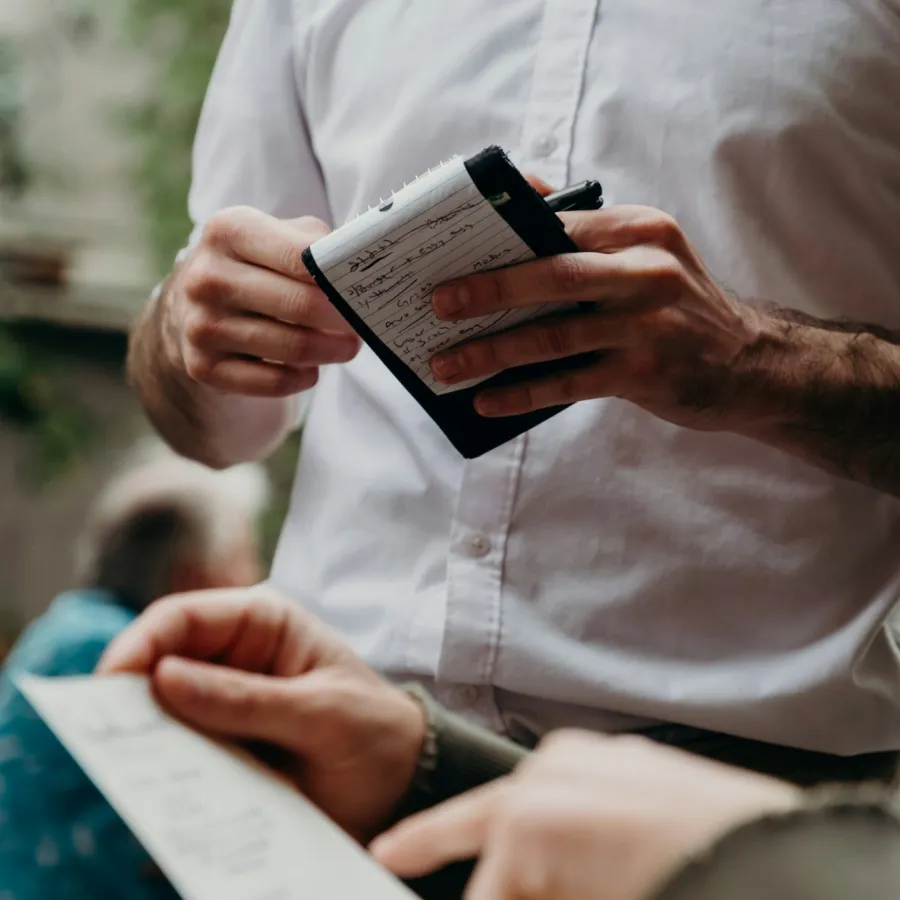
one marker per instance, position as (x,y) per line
(350,740)
(218,825)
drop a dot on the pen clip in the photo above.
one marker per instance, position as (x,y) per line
(585,196)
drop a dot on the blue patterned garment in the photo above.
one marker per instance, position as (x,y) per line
(59,839)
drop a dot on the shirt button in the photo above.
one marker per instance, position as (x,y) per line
(544,145)
(466,695)
(478,545)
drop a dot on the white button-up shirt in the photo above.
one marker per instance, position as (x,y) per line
(607,569)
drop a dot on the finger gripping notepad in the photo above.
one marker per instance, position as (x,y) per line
(381,269)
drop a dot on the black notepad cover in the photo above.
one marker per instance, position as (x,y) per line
(541,229)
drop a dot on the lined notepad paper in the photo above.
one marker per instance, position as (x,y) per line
(387,262)
(220,826)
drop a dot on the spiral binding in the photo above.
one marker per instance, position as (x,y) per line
(406,184)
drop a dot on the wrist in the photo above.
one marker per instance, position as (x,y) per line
(760,390)
(163,325)
(152,356)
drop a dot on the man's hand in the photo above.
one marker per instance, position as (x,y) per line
(585,818)
(249,665)
(243,315)
(669,339)
(663,330)
(237,328)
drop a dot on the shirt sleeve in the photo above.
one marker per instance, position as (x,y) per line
(253,146)
(831,849)
(456,757)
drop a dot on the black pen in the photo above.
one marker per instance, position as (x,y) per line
(582,197)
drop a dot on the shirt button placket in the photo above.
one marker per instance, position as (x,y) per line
(556,88)
(475,565)
(478,545)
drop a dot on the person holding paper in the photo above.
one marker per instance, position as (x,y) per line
(704,549)
(584,817)
(162,524)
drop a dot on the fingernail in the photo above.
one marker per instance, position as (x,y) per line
(488,405)
(446,367)
(449,301)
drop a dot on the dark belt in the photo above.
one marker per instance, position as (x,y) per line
(805,768)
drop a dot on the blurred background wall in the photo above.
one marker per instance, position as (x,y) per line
(98,106)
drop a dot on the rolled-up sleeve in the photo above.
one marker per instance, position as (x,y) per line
(846,848)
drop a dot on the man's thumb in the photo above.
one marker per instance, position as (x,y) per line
(230,703)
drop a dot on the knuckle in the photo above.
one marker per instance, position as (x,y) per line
(508,818)
(561,749)
(313,227)
(222,228)
(662,322)
(653,226)
(483,357)
(199,366)
(633,743)
(267,597)
(566,387)
(554,339)
(242,699)
(296,344)
(204,282)
(490,292)
(668,275)
(664,229)
(569,272)
(291,260)
(561,741)
(159,610)
(529,819)
(645,367)
(200,328)
(298,304)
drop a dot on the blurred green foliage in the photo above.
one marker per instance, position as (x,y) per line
(184,37)
(33,396)
(14,174)
(30,397)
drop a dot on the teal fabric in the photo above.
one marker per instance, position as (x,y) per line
(59,838)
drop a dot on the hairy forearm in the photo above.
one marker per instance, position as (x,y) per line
(215,429)
(826,391)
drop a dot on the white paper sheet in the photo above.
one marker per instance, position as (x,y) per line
(219,825)
(387,262)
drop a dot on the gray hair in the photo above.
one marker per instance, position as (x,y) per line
(162,509)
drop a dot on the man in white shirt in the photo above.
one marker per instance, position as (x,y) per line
(712,537)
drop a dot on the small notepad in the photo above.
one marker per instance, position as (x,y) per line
(387,263)
(218,824)
(380,270)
